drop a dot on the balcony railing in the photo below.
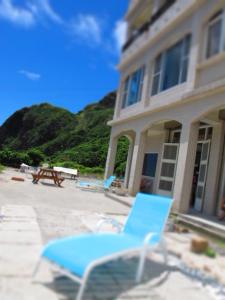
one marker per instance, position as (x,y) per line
(146,25)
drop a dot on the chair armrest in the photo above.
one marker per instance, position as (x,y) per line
(148,237)
(106,220)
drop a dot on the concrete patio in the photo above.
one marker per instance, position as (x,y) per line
(35,214)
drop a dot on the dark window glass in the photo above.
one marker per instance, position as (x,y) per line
(165,185)
(167,170)
(176,137)
(133,88)
(184,71)
(170,152)
(201,134)
(172,66)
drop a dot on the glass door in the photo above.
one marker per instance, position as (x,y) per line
(168,168)
(198,205)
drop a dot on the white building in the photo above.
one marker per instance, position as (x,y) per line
(171,101)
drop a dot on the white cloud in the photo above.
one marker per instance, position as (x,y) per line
(87,28)
(120,33)
(20,16)
(29,14)
(45,7)
(30,75)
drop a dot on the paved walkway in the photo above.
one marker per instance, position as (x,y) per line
(21,244)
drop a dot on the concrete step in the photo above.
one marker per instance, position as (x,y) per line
(125,200)
(208,226)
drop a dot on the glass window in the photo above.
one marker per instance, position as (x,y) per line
(171,66)
(201,134)
(216,35)
(133,88)
(209,133)
(168,169)
(150,162)
(170,152)
(176,137)
(166,185)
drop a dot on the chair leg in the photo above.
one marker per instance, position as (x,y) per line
(36,268)
(141,265)
(81,291)
(164,250)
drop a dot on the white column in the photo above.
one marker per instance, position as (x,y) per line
(111,157)
(137,163)
(128,165)
(214,168)
(185,167)
(118,103)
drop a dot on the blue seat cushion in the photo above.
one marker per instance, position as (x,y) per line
(76,253)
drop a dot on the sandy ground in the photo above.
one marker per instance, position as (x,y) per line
(58,212)
(45,194)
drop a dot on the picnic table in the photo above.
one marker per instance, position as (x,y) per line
(48,174)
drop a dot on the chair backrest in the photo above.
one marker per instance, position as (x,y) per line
(149,214)
(109,181)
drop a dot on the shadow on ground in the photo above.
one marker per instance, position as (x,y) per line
(111,280)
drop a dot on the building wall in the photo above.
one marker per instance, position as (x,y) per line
(187,103)
(201,72)
(190,111)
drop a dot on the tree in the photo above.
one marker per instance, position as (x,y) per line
(36,157)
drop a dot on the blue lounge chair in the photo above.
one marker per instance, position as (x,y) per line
(77,256)
(97,185)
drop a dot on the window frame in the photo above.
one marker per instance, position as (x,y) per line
(220,15)
(161,72)
(126,89)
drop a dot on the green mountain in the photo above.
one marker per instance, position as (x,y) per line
(52,134)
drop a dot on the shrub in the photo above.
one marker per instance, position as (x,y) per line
(36,157)
(210,252)
(13,158)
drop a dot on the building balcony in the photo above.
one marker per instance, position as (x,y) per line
(147,24)
(165,17)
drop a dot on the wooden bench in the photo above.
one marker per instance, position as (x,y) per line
(48,174)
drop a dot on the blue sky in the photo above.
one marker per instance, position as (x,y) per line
(61,52)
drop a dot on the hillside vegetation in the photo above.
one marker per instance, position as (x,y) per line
(45,133)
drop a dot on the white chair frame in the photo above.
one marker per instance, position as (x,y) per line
(142,251)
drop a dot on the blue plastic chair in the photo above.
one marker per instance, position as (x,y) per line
(97,185)
(76,256)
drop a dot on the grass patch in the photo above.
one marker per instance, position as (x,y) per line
(1,168)
(210,252)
